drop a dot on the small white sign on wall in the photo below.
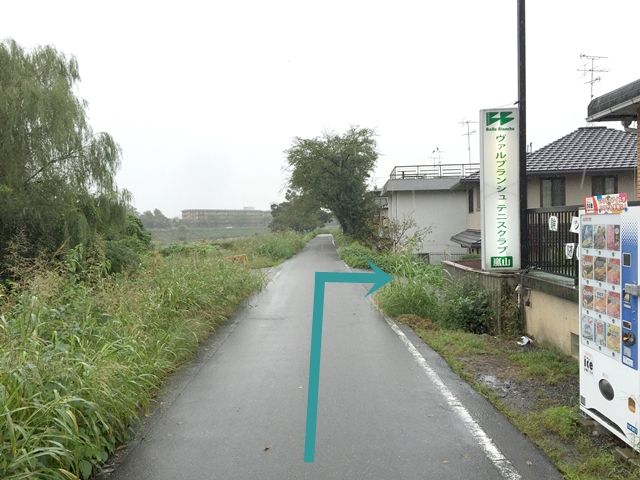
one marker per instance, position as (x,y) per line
(575,225)
(553,223)
(569,249)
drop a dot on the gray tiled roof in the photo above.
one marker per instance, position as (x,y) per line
(590,148)
(474,177)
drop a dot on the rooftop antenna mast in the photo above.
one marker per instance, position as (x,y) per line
(468,135)
(591,68)
(433,155)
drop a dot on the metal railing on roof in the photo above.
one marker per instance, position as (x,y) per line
(434,171)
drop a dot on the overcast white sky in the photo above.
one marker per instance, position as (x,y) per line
(203,97)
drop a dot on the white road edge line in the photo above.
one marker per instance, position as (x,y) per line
(504,466)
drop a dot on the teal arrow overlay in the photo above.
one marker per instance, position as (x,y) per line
(379,279)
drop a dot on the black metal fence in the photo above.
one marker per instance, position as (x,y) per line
(546,248)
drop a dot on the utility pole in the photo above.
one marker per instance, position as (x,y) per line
(522,133)
(590,68)
(468,135)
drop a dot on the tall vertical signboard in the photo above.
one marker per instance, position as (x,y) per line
(499,189)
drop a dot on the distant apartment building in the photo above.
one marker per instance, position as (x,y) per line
(227,218)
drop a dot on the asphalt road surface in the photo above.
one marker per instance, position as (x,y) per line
(389,407)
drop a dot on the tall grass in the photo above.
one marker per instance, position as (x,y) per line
(398,263)
(421,289)
(278,246)
(167,236)
(79,361)
(261,250)
(415,288)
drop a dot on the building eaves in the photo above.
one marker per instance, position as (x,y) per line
(464,182)
(620,104)
(468,238)
(419,184)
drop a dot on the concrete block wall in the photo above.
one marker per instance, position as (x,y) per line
(551,305)
(502,292)
(552,313)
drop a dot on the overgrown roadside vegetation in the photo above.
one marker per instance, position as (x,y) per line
(422,289)
(535,387)
(188,234)
(83,352)
(91,319)
(261,251)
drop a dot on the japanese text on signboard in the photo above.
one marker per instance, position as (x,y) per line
(501,186)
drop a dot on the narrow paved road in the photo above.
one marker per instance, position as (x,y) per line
(388,408)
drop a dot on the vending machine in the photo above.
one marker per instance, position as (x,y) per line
(608,282)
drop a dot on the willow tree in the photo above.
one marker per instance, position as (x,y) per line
(56,175)
(334,170)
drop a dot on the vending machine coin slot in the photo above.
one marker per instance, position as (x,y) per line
(628,339)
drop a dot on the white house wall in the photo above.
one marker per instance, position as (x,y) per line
(627,184)
(533,193)
(443,211)
(576,188)
(473,219)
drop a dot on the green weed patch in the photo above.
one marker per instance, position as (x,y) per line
(79,361)
(261,251)
(541,401)
(420,289)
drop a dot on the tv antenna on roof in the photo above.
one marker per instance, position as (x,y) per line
(468,135)
(433,155)
(590,68)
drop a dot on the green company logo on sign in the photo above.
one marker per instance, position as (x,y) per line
(501,262)
(502,117)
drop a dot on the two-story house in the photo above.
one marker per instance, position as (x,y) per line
(425,194)
(588,161)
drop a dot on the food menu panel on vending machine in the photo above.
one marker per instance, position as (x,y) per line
(629,274)
(600,284)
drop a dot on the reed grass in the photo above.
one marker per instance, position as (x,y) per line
(80,361)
